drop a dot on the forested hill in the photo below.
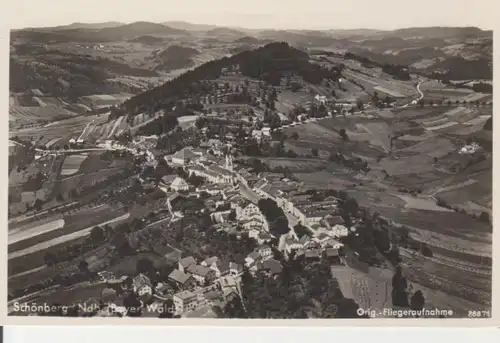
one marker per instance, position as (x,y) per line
(267,63)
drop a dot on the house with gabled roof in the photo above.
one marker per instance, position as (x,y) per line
(235,269)
(265,251)
(264,237)
(252,258)
(249,211)
(201,274)
(179,185)
(271,267)
(330,221)
(339,230)
(221,267)
(142,285)
(181,279)
(185,262)
(252,223)
(259,184)
(332,254)
(313,254)
(209,261)
(291,244)
(167,180)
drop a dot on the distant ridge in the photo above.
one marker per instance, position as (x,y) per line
(72,26)
(182,25)
(107,34)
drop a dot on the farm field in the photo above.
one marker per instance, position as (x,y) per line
(294,164)
(421,204)
(72,164)
(22,115)
(34,229)
(288,100)
(66,234)
(64,129)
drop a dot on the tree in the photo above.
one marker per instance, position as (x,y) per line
(314,152)
(232,216)
(83,266)
(97,234)
(133,305)
(295,136)
(38,205)
(343,134)
(145,266)
(484,217)
(359,104)
(417,301)
(50,258)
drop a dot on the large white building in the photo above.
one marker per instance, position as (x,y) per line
(179,185)
(185,301)
(214,173)
(184,157)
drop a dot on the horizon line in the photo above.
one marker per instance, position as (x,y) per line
(165,23)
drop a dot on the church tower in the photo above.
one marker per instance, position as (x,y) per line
(229,162)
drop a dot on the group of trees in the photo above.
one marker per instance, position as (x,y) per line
(278,222)
(397,71)
(442,102)
(268,63)
(301,290)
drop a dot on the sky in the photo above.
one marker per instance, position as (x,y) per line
(275,14)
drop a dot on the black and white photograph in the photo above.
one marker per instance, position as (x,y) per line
(250,159)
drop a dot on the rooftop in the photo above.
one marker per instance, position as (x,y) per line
(187,261)
(209,261)
(254,255)
(273,266)
(185,154)
(178,276)
(334,220)
(179,182)
(169,178)
(313,253)
(184,295)
(199,270)
(142,280)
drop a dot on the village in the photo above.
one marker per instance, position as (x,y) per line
(229,195)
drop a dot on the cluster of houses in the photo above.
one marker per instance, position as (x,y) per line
(194,288)
(199,163)
(200,283)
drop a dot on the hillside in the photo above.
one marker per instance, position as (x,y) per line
(224,32)
(90,26)
(267,63)
(248,40)
(441,32)
(182,25)
(174,57)
(147,40)
(107,34)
